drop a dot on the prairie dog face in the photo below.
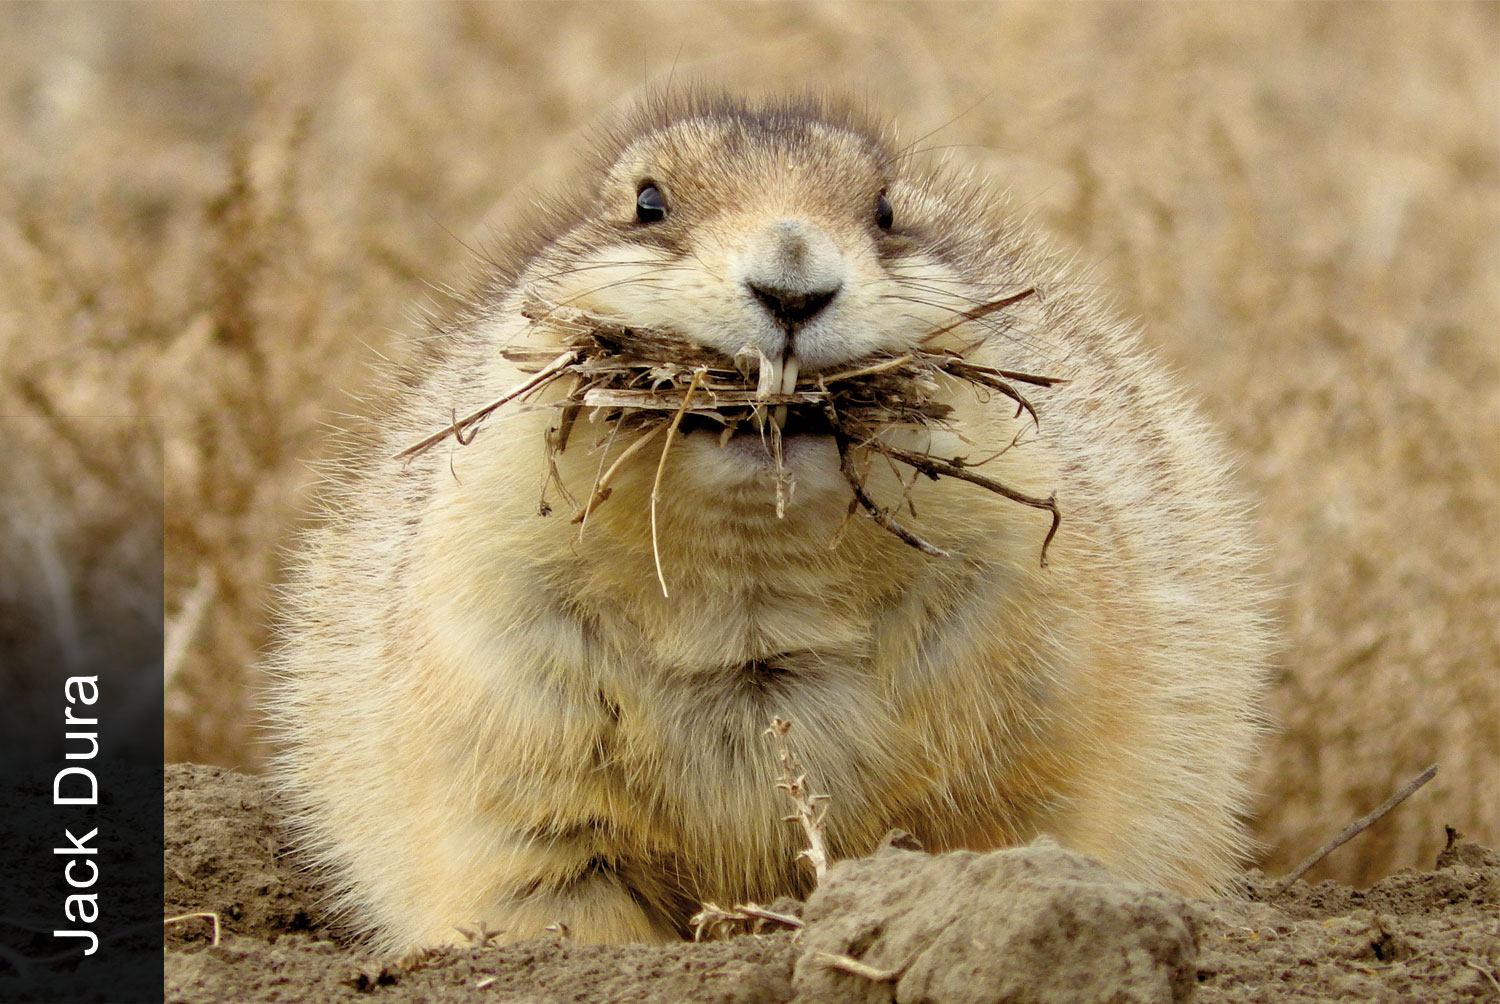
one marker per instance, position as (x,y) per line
(759,237)
(780,236)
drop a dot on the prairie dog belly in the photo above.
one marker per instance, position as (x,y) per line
(526,668)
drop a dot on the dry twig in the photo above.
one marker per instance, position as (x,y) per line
(749,916)
(810,813)
(855,967)
(1351,831)
(1483,972)
(214,917)
(601,485)
(811,809)
(956,468)
(459,426)
(879,515)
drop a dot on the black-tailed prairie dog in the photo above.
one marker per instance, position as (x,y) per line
(526,667)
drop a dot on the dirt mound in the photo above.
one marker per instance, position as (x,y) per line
(1035,924)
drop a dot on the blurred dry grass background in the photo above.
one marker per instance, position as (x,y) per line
(219,214)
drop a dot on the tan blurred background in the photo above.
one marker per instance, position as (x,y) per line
(220,214)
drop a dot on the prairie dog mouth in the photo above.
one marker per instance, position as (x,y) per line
(777,377)
(643,382)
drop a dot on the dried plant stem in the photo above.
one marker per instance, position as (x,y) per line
(994,380)
(1353,830)
(661,466)
(1485,973)
(879,515)
(884,366)
(854,967)
(544,375)
(725,921)
(761,913)
(811,809)
(213,917)
(601,486)
(933,467)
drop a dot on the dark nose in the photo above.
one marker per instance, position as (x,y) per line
(792,309)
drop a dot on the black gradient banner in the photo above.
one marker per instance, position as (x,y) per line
(81,633)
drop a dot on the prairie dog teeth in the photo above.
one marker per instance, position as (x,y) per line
(789,368)
(777,376)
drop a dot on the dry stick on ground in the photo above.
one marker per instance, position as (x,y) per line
(857,968)
(195,916)
(724,922)
(761,913)
(1352,830)
(1485,973)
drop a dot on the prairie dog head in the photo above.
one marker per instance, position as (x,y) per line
(791,236)
(782,231)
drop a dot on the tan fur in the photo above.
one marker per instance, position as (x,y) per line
(490,715)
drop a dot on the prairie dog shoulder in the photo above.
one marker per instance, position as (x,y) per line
(490,713)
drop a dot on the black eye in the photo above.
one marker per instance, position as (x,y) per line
(884,217)
(650,207)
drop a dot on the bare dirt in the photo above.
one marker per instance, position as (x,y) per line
(1034,924)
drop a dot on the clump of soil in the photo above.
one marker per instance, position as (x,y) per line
(1034,924)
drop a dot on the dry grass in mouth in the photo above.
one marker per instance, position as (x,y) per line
(643,381)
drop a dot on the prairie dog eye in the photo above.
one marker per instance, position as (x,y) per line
(650,207)
(885,217)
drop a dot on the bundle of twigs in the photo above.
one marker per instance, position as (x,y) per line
(648,381)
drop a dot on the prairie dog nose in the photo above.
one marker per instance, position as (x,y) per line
(794,270)
(792,309)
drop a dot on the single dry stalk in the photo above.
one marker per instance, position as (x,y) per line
(661,467)
(811,809)
(810,813)
(1353,830)
(722,923)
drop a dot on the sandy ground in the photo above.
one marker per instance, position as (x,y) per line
(1035,925)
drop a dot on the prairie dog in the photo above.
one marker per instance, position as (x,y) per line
(491,715)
